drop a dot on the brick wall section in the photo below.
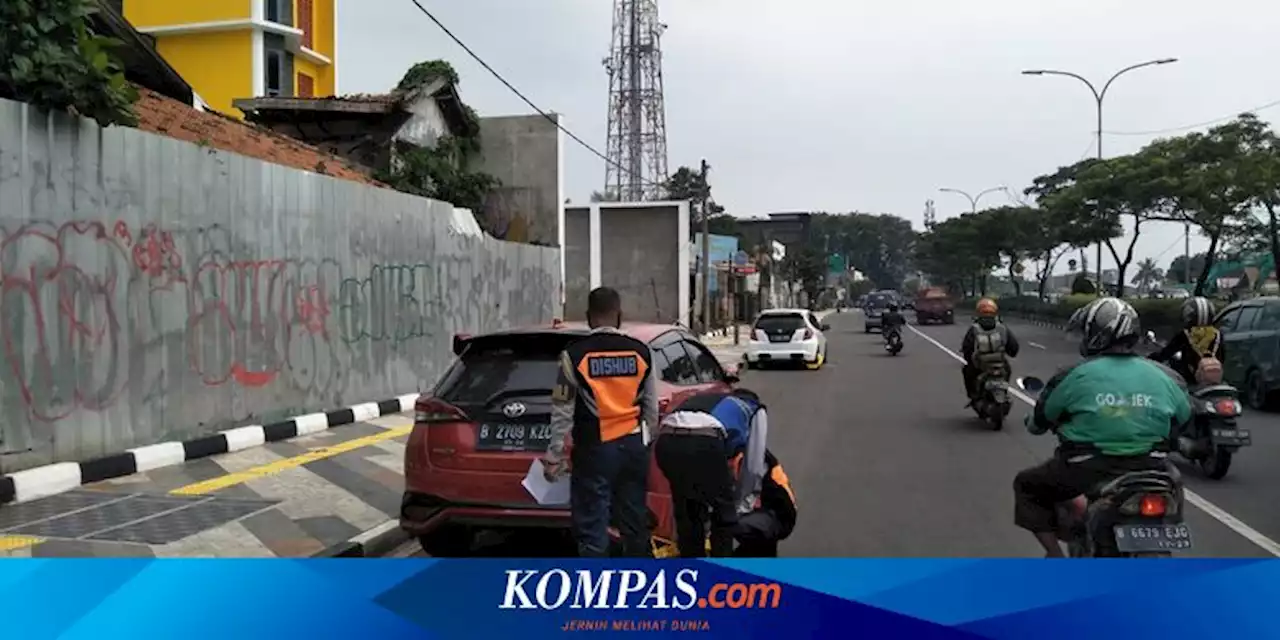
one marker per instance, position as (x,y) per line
(168,117)
(306,86)
(305,21)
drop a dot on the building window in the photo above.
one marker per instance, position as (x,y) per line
(279,11)
(306,86)
(275,73)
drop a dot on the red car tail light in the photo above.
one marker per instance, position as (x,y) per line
(435,411)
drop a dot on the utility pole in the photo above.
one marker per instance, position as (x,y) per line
(705,208)
(1186,252)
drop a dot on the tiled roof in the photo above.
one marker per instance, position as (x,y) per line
(168,117)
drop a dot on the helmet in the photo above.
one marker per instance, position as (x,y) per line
(987,308)
(1197,312)
(1108,324)
(893,306)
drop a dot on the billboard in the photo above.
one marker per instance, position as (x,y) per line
(722,251)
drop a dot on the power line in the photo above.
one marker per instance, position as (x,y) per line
(1093,142)
(1156,132)
(514,90)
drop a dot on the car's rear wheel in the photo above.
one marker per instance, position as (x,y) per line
(448,542)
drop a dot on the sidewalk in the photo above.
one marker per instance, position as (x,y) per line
(292,498)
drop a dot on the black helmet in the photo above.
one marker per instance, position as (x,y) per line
(1109,325)
(1197,312)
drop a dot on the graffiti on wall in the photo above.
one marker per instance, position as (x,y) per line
(92,312)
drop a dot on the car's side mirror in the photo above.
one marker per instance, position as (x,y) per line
(825,327)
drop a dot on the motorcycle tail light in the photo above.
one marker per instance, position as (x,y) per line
(1226,407)
(1152,505)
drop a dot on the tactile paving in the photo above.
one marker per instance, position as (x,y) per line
(16,515)
(102,517)
(188,521)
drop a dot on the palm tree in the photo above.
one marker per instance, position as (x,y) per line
(1148,274)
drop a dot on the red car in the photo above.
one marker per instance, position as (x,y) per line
(476,434)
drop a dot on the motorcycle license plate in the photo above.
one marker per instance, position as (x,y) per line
(1140,538)
(1236,437)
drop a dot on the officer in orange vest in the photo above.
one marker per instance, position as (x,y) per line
(605,398)
(773,516)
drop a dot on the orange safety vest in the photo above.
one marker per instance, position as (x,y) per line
(776,474)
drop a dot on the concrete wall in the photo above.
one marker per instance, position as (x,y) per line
(152,290)
(639,248)
(527,154)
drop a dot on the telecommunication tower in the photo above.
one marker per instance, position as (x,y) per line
(637,144)
(930,215)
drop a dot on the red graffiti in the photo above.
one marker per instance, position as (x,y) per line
(76,302)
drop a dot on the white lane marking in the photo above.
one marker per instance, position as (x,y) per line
(1214,511)
(1035,344)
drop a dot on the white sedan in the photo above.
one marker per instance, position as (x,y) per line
(787,335)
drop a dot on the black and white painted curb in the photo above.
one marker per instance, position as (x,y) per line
(52,479)
(374,543)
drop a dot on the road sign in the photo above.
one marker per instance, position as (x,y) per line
(835,263)
(740,258)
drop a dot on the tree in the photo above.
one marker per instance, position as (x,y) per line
(955,253)
(1100,197)
(880,246)
(807,268)
(1148,274)
(1178,269)
(53,59)
(1205,180)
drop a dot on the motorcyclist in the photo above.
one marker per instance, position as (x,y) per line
(1198,339)
(987,342)
(1114,412)
(892,321)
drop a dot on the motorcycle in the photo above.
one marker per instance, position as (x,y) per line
(1214,436)
(993,403)
(1135,515)
(893,341)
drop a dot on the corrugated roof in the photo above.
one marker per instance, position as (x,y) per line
(168,117)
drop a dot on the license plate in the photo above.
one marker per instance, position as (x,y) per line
(1139,538)
(513,437)
(1232,436)
(782,338)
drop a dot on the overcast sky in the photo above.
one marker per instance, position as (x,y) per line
(832,105)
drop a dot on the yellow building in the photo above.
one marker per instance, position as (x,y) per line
(229,49)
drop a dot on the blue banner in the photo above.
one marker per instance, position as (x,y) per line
(519,599)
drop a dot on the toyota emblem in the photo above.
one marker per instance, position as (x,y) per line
(513,410)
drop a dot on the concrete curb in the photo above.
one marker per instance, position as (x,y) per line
(374,543)
(59,477)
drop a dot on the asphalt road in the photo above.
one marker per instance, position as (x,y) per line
(887,462)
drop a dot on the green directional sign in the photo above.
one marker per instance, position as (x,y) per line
(836,263)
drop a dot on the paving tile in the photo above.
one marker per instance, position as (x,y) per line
(329,530)
(368,490)
(176,525)
(282,536)
(58,548)
(16,515)
(82,523)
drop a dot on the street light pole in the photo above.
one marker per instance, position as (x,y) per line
(1098,97)
(973,200)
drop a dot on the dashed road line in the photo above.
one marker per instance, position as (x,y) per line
(1213,510)
(1036,344)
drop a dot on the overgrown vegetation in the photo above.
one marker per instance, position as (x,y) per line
(51,58)
(442,172)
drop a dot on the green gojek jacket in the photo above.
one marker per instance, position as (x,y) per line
(1120,405)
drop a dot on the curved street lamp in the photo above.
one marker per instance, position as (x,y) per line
(1098,97)
(973,200)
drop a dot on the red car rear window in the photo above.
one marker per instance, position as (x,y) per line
(493,365)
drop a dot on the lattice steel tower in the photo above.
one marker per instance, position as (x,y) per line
(637,146)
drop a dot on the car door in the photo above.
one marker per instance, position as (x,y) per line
(1265,343)
(1233,370)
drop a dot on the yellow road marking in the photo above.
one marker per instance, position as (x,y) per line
(222,482)
(15,542)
